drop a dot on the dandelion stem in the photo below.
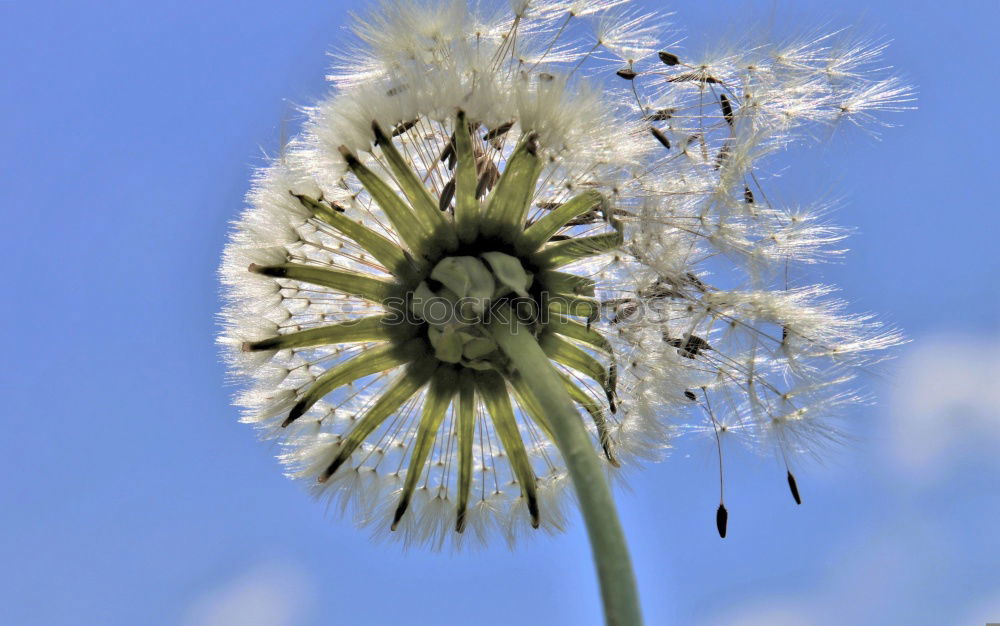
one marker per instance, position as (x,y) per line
(614,566)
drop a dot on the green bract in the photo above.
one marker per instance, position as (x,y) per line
(457,276)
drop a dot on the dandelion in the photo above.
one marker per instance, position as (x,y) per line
(483,272)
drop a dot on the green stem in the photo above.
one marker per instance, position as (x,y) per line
(614,567)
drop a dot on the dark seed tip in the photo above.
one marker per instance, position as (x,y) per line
(398,515)
(721,519)
(794,488)
(669,59)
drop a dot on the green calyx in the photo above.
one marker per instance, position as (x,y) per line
(456,264)
(457,299)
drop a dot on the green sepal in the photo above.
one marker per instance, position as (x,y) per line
(562,351)
(466,180)
(382,249)
(402,389)
(566,304)
(593,407)
(493,391)
(424,205)
(439,396)
(567,251)
(371,328)
(535,236)
(508,203)
(580,332)
(416,233)
(350,283)
(466,432)
(369,362)
(567,284)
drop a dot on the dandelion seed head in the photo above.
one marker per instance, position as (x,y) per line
(467,158)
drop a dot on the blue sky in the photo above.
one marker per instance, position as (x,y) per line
(132,496)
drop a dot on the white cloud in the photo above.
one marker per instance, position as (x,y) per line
(273,593)
(947,401)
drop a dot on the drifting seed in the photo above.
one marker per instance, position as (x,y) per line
(721,157)
(727,109)
(747,194)
(656,132)
(690,347)
(627,73)
(402,128)
(690,395)
(625,311)
(660,289)
(694,280)
(488,177)
(794,487)
(444,203)
(721,520)
(669,59)
(498,132)
(661,115)
(693,77)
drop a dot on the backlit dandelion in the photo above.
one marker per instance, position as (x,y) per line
(502,257)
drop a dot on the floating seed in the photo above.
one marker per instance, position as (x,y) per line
(625,311)
(690,395)
(689,347)
(721,156)
(721,520)
(794,487)
(627,73)
(498,132)
(693,77)
(727,109)
(399,129)
(661,115)
(656,132)
(694,280)
(444,202)
(669,59)
(488,176)
(747,194)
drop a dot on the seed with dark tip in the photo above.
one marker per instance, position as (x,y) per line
(627,73)
(721,520)
(690,395)
(727,109)
(656,132)
(661,115)
(747,194)
(693,77)
(499,131)
(794,487)
(669,59)
(444,203)
(402,128)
